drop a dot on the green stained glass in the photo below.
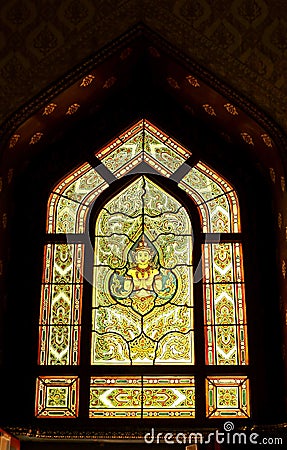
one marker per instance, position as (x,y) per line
(60,316)
(142,397)
(227,397)
(142,301)
(57,397)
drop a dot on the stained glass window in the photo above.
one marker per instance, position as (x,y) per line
(69,202)
(215,198)
(143,143)
(227,397)
(224,304)
(143,300)
(57,397)
(143,279)
(60,313)
(142,397)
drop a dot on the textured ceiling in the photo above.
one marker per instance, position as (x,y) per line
(242,42)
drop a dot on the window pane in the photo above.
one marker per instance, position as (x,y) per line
(142,397)
(61,299)
(143,301)
(143,143)
(215,198)
(69,202)
(57,397)
(224,304)
(227,397)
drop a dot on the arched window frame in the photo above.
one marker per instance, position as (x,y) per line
(69,206)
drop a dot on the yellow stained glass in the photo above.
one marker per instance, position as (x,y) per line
(224,304)
(60,313)
(142,307)
(69,202)
(215,198)
(227,397)
(143,142)
(57,397)
(143,300)
(142,397)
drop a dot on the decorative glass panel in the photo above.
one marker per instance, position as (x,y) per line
(223,263)
(69,203)
(215,198)
(143,301)
(125,153)
(142,397)
(142,307)
(57,397)
(224,304)
(143,143)
(227,397)
(61,299)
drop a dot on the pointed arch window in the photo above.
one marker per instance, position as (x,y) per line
(142,305)
(143,296)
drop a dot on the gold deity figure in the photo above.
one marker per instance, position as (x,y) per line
(144,275)
(143,282)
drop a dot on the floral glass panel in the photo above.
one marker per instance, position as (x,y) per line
(143,300)
(215,198)
(60,314)
(142,397)
(123,153)
(57,397)
(224,304)
(227,397)
(143,143)
(70,200)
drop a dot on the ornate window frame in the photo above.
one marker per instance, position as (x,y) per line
(143,148)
